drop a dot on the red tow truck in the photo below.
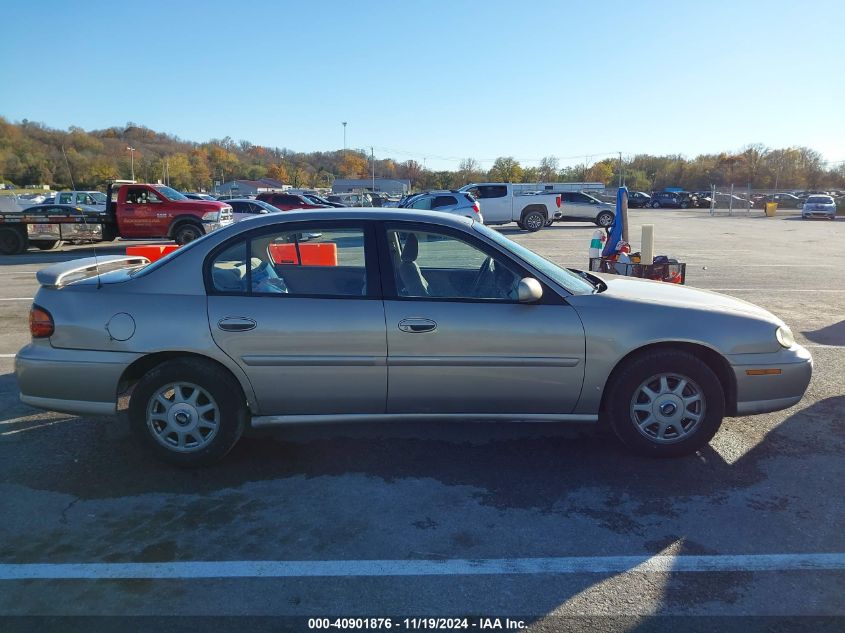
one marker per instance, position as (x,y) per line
(133,210)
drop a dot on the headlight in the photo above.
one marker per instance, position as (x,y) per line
(211,216)
(784,336)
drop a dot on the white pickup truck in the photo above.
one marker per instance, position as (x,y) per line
(500,204)
(91,199)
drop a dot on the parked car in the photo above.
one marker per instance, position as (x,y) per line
(245,208)
(577,205)
(288,201)
(674,199)
(351,199)
(234,196)
(784,200)
(456,202)
(365,314)
(638,200)
(819,207)
(726,201)
(323,201)
(502,204)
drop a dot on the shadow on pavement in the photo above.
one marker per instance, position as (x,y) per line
(829,335)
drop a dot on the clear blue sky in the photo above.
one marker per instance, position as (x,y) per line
(439,80)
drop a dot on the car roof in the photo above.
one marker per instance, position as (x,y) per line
(354,213)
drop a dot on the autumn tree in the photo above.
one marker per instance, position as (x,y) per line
(548,169)
(278,171)
(505,169)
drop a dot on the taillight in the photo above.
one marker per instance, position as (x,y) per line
(476,207)
(557,202)
(40,322)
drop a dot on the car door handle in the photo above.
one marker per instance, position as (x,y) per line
(236,324)
(416,325)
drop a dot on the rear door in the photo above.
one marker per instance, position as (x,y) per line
(298,307)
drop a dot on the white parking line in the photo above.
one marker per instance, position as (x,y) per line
(453,567)
(774,290)
(7,355)
(16,298)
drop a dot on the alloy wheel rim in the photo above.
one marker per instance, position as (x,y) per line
(667,408)
(183,417)
(534,221)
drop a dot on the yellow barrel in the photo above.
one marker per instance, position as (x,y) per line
(771,207)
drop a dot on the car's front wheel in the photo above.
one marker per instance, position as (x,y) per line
(655,205)
(188,412)
(185,233)
(665,403)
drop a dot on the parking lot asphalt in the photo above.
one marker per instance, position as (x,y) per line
(539,522)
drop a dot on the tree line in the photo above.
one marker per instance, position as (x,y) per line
(34,154)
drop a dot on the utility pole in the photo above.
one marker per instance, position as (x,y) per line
(621,179)
(131,161)
(373,159)
(344,137)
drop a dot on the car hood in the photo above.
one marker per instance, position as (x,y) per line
(674,295)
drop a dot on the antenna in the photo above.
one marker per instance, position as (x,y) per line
(67,164)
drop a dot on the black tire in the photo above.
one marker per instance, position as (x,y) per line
(604,219)
(225,392)
(533,221)
(684,205)
(45,245)
(655,205)
(187,232)
(109,233)
(12,241)
(549,223)
(625,387)
(520,224)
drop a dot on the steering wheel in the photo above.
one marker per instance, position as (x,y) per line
(485,271)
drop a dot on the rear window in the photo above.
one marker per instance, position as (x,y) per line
(441,202)
(820,200)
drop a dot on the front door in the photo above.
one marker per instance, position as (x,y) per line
(298,308)
(460,342)
(496,204)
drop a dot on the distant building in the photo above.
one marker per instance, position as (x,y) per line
(387,185)
(558,186)
(250,187)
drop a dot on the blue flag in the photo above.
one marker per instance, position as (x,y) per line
(618,223)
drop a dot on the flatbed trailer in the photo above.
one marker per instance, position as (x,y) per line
(20,230)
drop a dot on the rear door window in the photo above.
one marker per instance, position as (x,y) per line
(443,202)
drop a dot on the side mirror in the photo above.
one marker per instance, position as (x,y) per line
(529,290)
(264,211)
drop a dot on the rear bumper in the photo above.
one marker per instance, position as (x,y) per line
(772,392)
(69,380)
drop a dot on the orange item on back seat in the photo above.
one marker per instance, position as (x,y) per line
(152,253)
(311,254)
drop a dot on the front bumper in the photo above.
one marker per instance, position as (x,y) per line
(74,381)
(771,392)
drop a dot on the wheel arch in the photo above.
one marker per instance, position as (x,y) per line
(534,207)
(713,359)
(181,220)
(136,370)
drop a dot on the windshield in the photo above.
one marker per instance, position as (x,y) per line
(572,282)
(169,193)
(98,196)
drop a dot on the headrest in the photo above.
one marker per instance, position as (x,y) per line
(411,248)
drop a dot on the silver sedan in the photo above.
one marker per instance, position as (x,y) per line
(377,314)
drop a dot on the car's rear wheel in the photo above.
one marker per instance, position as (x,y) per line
(12,241)
(185,233)
(684,205)
(604,219)
(188,412)
(655,205)
(665,403)
(534,221)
